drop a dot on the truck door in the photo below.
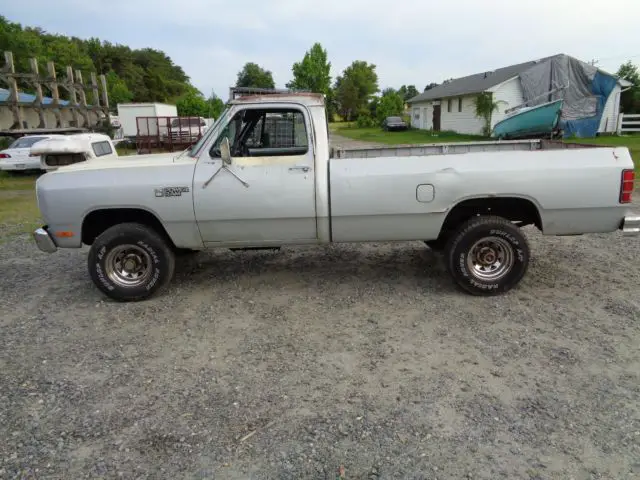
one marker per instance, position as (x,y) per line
(266,196)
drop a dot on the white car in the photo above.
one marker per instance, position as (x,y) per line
(18,156)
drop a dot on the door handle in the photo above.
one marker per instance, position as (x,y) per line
(303,168)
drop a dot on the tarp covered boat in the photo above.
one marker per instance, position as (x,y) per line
(583,89)
(541,120)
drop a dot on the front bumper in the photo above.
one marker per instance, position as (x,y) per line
(44,241)
(631,225)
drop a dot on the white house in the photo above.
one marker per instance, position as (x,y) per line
(450,106)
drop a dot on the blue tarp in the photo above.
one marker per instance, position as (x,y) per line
(27,98)
(601,87)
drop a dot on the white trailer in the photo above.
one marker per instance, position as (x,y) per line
(128,112)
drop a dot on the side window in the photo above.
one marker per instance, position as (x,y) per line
(265,132)
(101,148)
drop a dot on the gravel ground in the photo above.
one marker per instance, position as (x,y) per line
(289,365)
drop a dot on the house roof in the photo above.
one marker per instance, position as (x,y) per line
(479,82)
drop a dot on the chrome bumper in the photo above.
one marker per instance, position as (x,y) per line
(44,241)
(631,225)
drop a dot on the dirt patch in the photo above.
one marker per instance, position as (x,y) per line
(290,364)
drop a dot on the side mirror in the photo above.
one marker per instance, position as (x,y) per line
(225,151)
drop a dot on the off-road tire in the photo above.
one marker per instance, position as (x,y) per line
(509,237)
(148,245)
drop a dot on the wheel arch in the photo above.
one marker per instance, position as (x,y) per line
(98,220)
(519,209)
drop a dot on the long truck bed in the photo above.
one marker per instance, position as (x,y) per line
(453,148)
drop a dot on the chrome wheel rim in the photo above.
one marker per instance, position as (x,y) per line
(490,258)
(128,266)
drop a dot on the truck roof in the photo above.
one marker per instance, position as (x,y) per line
(78,143)
(305,98)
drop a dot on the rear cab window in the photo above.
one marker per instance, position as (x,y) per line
(101,148)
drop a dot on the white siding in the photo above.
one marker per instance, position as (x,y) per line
(508,95)
(461,122)
(424,111)
(416,120)
(611,110)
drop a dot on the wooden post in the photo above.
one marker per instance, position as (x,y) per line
(619,126)
(55,93)
(84,108)
(39,102)
(94,89)
(105,94)
(13,91)
(73,99)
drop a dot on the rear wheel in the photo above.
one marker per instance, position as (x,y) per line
(130,262)
(487,255)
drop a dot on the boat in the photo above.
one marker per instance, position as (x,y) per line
(536,121)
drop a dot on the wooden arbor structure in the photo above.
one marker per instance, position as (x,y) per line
(71,115)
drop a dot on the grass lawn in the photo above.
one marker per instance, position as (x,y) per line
(632,142)
(18,208)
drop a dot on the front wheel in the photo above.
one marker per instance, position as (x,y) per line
(487,255)
(130,262)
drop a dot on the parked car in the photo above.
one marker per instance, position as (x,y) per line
(394,123)
(241,187)
(18,156)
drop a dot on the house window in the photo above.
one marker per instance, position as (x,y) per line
(460,104)
(449,105)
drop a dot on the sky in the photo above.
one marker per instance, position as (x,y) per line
(410,42)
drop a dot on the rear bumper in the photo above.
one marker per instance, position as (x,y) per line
(631,225)
(12,167)
(44,241)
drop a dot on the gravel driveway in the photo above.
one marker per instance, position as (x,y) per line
(292,364)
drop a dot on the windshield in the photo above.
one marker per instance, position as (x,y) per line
(205,138)
(26,142)
(394,119)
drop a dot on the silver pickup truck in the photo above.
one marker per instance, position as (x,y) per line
(265,176)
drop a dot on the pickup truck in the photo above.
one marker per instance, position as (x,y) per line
(264,176)
(66,150)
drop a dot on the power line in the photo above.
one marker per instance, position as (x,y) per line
(614,58)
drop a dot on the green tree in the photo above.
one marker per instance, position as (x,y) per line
(192,104)
(215,106)
(253,75)
(391,105)
(485,106)
(407,92)
(355,87)
(313,72)
(138,75)
(117,90)
(630,99)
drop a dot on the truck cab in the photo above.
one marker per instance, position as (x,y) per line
(70,149)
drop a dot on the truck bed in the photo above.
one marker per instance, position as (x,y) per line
(453,148)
